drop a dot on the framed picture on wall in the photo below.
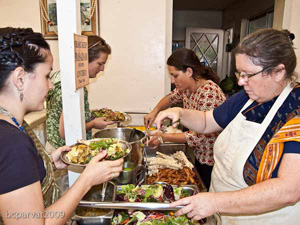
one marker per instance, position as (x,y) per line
(49,17)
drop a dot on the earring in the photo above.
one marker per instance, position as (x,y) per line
(21,96)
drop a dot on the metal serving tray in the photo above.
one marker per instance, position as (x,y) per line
(192,189)
(169,149)
(94,195)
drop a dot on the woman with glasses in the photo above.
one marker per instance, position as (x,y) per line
(255,179)
(196,87)
(98,51)
(28,193)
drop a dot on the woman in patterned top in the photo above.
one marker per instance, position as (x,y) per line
(196,88)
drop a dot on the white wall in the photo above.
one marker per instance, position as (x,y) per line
(291,18)
(25,13)
(140,34)
(200,19)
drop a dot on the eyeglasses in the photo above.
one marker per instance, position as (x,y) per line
(244,75)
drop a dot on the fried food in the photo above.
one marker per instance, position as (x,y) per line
(170,176)
(176,161)
(79,154)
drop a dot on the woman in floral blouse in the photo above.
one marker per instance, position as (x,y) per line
(196,87)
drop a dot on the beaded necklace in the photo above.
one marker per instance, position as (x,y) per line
(6,113)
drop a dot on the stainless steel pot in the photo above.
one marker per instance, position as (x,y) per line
(131,174)
(136,155)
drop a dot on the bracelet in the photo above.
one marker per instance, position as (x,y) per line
(160,139)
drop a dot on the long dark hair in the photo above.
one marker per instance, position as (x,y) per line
(268,48)
(183,58)
(96,45)
(20,47)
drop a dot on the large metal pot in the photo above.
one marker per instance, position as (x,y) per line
(136,155)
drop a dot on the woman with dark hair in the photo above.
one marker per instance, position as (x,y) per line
(256,176)
(196,86)
(98,52)
(28,193)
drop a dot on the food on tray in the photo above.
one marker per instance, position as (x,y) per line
(172,169)
(79,154)
(176,161)
(109,114)
(142,128)
(83,152)
(171,176)
(171,130)
(89,212)
(152,193)
(150,217)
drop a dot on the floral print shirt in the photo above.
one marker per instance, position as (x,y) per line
(207,97)
(54,109)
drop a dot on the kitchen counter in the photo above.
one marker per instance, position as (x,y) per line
(37,121)
(35,118)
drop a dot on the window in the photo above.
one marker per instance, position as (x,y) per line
(263,21)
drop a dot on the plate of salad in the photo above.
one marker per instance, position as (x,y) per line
(84,150)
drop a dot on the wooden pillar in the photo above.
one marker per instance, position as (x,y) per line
(68,17)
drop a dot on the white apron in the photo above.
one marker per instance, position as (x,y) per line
(231,151)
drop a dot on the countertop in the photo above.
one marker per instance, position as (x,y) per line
(35,118)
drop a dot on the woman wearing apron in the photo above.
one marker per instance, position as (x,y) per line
(255,179)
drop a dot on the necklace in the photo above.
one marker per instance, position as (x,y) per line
(6,113)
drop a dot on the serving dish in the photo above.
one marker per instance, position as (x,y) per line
(83,151)
(170,149)
(84,215)
(111,115)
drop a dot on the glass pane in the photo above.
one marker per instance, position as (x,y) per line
(215,44)
(257,24)
(204,44)
(192,45)
(197,36)
(214,66)
(211,37)
(210,55)
(270,20)
(198,53)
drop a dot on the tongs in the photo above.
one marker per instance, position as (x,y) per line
(129,205)
(164,128)
(104,185)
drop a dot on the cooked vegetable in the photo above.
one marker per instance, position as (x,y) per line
(109,114)
(82,153)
